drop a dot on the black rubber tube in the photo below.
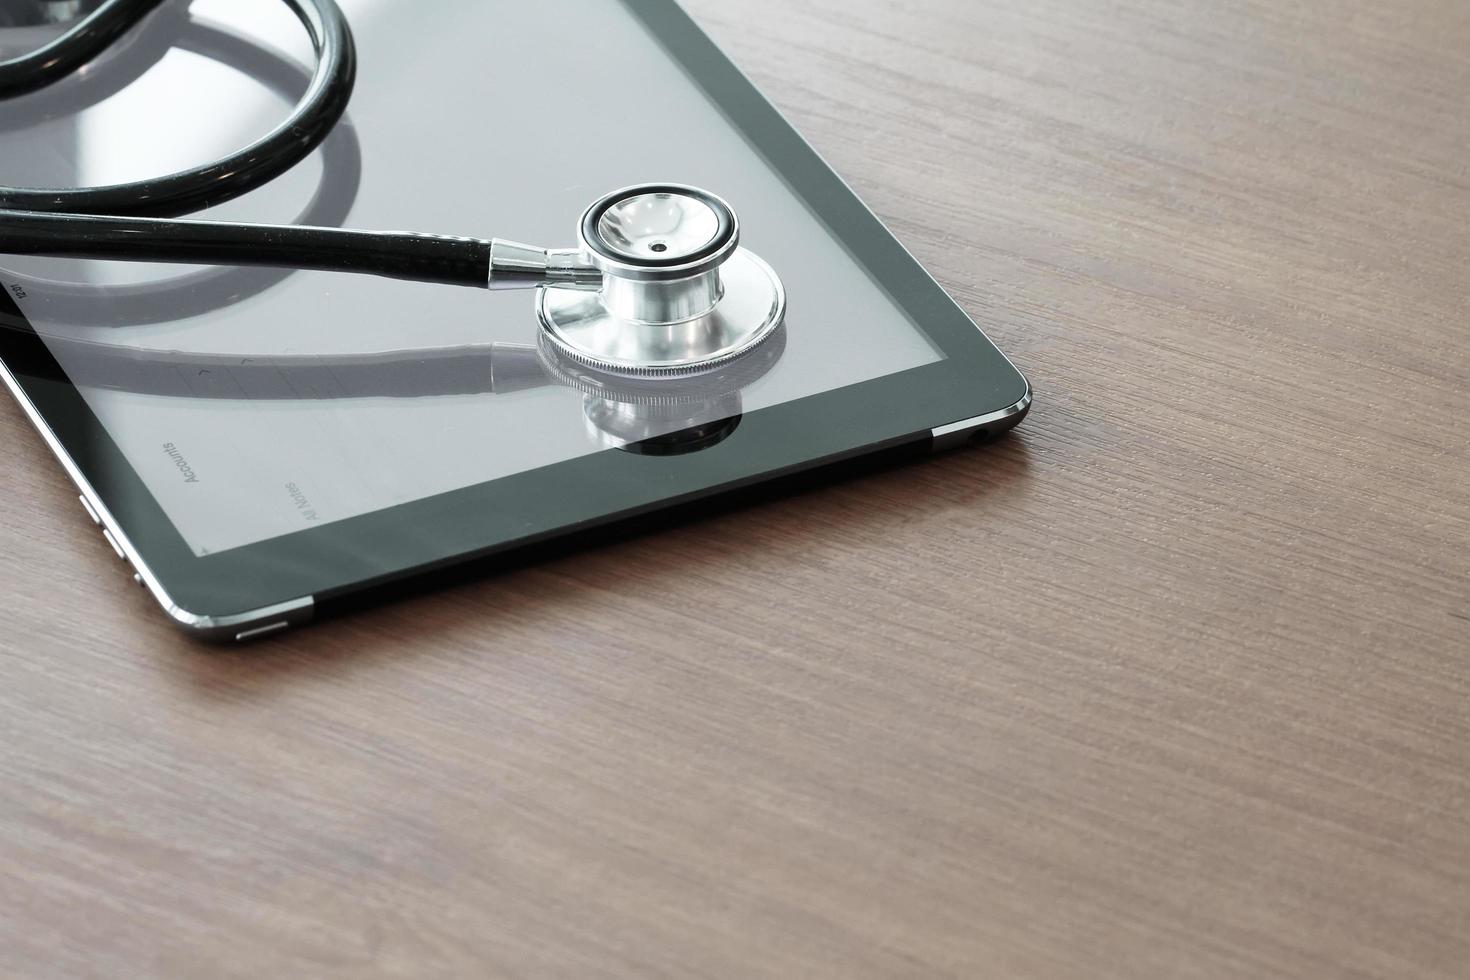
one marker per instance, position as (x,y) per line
(71,303)
(422,258)
(122,221)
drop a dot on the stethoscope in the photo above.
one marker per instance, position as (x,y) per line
(657,286)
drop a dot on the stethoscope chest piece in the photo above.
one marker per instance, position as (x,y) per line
(678,295)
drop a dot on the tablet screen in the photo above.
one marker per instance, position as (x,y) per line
(255,403)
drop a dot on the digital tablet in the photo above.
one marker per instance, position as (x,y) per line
(264,447)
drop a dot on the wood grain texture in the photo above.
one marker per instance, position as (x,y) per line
(1174,682)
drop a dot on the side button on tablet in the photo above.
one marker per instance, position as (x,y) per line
(115,546)
(91,512)
(260,631)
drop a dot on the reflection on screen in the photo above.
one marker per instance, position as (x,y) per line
(255,403)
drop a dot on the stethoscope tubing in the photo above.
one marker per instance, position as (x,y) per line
(140,221)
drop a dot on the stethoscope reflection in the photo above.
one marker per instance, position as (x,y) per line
(32,13)
(667,417)
(663,417)
(180,297)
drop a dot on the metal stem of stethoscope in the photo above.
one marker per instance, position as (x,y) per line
(657,286)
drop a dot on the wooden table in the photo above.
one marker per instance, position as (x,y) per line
(1173,682)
